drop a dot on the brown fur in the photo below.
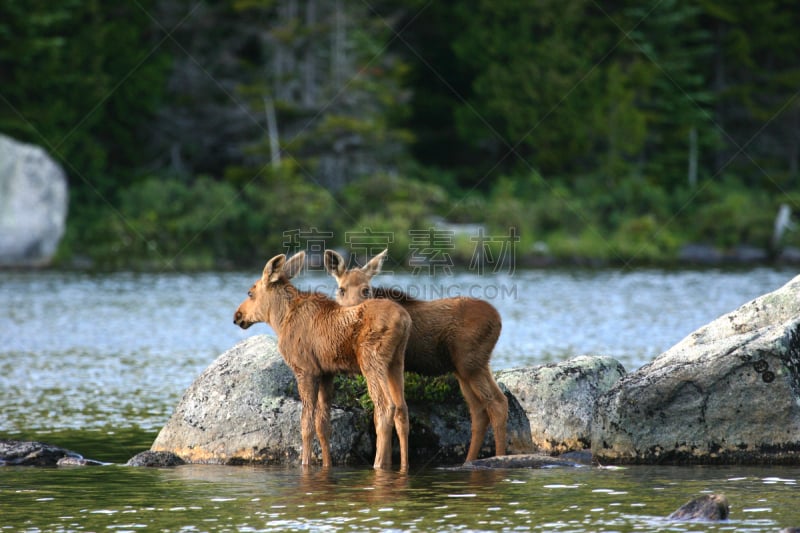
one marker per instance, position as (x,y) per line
(318,338)
(447,335)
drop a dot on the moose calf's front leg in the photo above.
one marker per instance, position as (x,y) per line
(383,434)
(307,387)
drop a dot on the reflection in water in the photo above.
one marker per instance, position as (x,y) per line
(225,498)
(383,486)
(289,497)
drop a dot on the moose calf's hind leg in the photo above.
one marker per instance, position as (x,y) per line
(479,417)
(498,414)
(496,405)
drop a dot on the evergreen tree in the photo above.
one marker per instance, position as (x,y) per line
(756,78)
(671,42)
(326,89)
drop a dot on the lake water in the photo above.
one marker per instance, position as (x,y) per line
(96,363)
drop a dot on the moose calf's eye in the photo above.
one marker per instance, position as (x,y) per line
(341,291)
(250,293)
(365,292)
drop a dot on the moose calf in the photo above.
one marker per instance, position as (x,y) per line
(318,339)
(447,335)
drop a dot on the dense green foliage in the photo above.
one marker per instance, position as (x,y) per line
(351,390)
(82,79)
(206,134)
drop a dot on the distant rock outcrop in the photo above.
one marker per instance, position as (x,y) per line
(727,393)
(33,204)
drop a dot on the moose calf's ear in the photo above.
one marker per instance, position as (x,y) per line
(374,265)
(294,265)
(334,263)
(272,270)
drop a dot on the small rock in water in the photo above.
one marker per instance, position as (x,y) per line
(155,459)
(708,507)
(583,457)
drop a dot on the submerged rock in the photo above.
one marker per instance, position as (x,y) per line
(32,453)
(727,393)
(244,408)
(79,461)
(559,399)
(521,461)
(707,507)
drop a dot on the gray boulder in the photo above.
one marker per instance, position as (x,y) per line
(33,204)
(241,410)
(559,399)
(244,409)
(727,393)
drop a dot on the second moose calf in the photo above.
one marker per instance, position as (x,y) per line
(447,335)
